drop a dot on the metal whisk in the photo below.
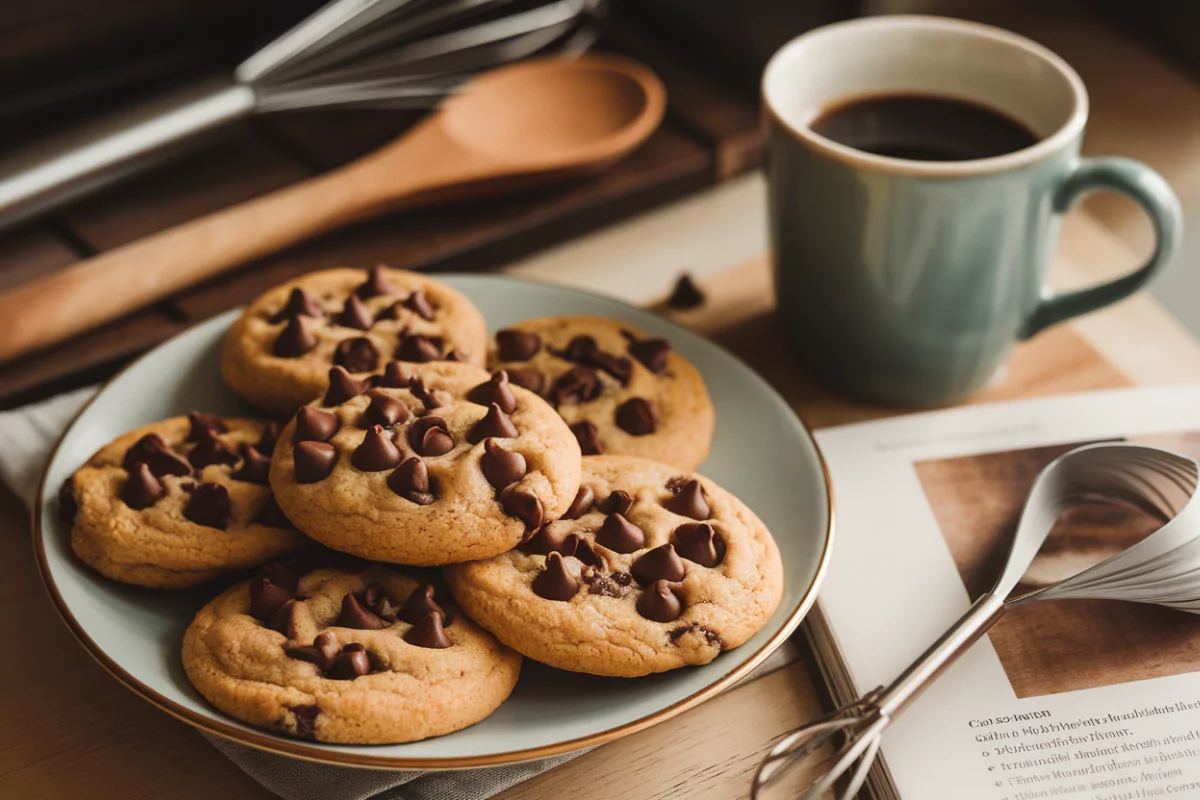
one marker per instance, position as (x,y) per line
(349,54)
(1163,569)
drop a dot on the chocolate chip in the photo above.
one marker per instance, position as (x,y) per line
(577,547)
(429,436)
(698,542)
(635,417)
(376,598)
(576,385)
(204,426)
(314,425)
(385,410)
(555,582)
(547,539)
(272,515)
(418,348)
(313,461)
(266,599)
(269,437)
(524,507)
(255,468)
(501,467)
(601,584)
(352,662)
(306,719)
(710,636)
(211,450)
(376,453)
(375,284)
(652,353)
(156,454)
(299,304)
(142,490)
(588,437)
(396,376)
(429,633)
(356,355)
(581,504)
(529,379)
(410,480)
(515,345)
(495,424)
(620,535)
(353,615)
(660,603)
(280,575)
(687,499)
(661,563)
(584,350)
(619,502)
(354,314)
(420,603)
(686,294)
(430,398)
(284,620)
(296,339)
(321,652)
(209,505)
(342,387)
(419,304)
(496,390)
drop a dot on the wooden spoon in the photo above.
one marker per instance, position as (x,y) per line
(519,126)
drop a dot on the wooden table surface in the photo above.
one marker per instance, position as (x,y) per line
(70,731)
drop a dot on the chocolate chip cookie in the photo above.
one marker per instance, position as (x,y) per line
(370,657)
(277,355)
(450,465)
(622,392)
(179,502)
(650,569)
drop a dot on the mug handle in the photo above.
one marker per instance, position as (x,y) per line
(1150,191)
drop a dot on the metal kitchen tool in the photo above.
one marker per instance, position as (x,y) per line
(350,53)
(1163,569)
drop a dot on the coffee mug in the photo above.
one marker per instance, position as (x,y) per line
(908,281)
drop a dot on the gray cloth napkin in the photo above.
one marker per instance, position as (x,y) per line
(28,435)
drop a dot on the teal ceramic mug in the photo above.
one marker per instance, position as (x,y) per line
(906,281)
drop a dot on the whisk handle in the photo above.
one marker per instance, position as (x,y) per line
(57,170)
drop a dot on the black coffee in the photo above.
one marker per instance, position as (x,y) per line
(923,127)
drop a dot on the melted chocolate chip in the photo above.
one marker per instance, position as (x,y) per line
(410,480)
(356,355)
(299,304)
(342,387)
(377,452)
(296,339)
(516,345)
(687,499)
(601,584)
(699,543)
(321,652)
(429,436)
(396,376)
(313,461)
(524,507)
(619,502)
(529,379)
(429,633)
(269,438)
(209,505)
(418,348)
(661,563)
(255,468)
(272,515)
(660,603)
(620,535)
(68,507)
(686,294)
(280,575)
(211,450)
(314,425)
(284,620)
(306,719)
(652,353)
(495,425)
(430,398)
(156,454)
(420,603)
(635,417)
(142,490)
(581,504)
(710,636)
(588,437)
(204,426)
(576,385)
(501,467)
(584,350)
(385,410)
(577,547)
(555,582)
(354,615)
(354,314)
(352,662)
(494,391)
(266,598)
(419,304)
(375,284)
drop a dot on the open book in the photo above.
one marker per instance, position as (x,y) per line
(1089,699)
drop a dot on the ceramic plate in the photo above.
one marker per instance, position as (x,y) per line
(760,452)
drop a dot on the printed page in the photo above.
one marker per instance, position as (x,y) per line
(1088,699)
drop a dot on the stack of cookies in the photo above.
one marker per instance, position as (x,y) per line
(554,490)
